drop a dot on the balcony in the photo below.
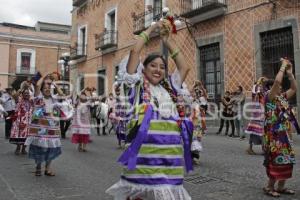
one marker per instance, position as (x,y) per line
(106,39)
(25,71)
(143,20)
(201,10)
(78,52)
(78,3)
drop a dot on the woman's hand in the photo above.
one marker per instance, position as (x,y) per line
(165,29)
(289,68)
(284,62)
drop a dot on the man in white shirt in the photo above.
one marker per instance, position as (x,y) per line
(9,105)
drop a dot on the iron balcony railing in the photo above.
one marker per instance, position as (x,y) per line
(191,8)
(78,51)
(106,39)
(77,3)
(143,20)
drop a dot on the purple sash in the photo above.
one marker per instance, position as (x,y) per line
(129,157)
(186,129)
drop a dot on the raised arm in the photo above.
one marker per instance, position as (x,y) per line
(59,91)
(293,89)
(38,85)
(177,56)
(275,90)
(134,57)
(203,90)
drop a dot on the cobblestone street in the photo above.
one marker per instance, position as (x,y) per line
(226,172)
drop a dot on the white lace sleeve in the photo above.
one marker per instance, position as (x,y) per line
(129,79)
(180,87)
(176,80)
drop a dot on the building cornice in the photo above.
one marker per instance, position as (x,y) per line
(36,46)
(26,38)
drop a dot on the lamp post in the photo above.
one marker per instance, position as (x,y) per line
(65,67)
(65,62)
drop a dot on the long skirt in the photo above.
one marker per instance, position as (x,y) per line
(159,171)
(279,172)
(80,138)
(43,149)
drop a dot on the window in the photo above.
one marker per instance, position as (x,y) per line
(153,9)
(211,70)
(101,82)
(82,40)
(277,44)
(157,7)
(25,61)
(110,27)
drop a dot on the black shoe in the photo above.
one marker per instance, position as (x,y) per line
(231,135)
(226,133)
(218,133)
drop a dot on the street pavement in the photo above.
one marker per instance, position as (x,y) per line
(226,172)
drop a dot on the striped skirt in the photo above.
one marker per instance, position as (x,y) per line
(44,139)
(160,167)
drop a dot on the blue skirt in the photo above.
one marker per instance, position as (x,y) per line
(40,154)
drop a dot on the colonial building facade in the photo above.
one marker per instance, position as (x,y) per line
(227,43)
(25,50)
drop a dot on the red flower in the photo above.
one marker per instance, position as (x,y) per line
(171,20)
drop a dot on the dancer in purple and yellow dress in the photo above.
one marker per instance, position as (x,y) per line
(159,135)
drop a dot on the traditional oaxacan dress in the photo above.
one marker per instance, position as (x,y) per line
(204,106)
(22,119)
(80,128)
(256,126)
(44,132)
(279,153)
(198,130)
(154,162)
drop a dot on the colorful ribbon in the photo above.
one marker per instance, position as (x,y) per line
(186,130)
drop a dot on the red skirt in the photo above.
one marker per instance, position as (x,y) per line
(279,172)
(80,138)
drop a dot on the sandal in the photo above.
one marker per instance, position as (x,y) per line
(250,152)
(271,192)
(49,173)
(285,191)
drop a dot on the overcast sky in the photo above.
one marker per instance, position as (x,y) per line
(28,12)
